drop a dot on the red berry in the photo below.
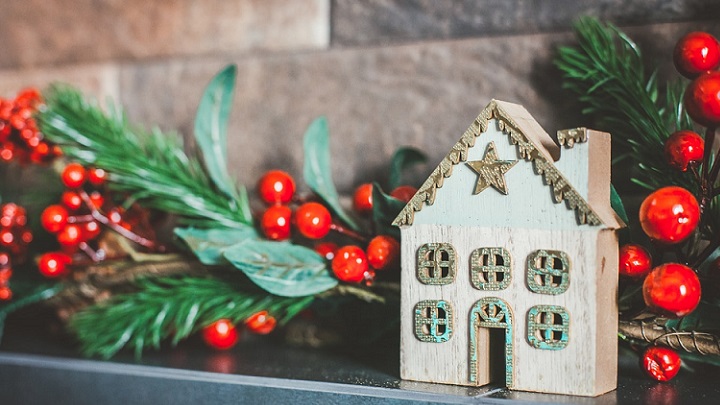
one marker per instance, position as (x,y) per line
(261,323)
(275,222)
(326,250)
(702,99)
(683,148)
(276,187)
(382,251)
(70,237)
(97,176)
(7,238)
(97,199)
(5,293)
(635,261)
(362,199)
(53,264)
(350,264)
(660,363)
(672,289)
(114,215)
(220,334)
(5,275)
(71,200)
(54,218)
(669,214)
(404,193)
(313,220)
(695,53)
(4,260)
(90,230)
(73,176)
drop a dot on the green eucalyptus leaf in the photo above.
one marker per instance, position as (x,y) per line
(317,170)
(211,128)
(209,244)
(402,159)
(617,204)
(385,210)
(281,268)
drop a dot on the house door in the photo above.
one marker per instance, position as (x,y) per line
(491,313)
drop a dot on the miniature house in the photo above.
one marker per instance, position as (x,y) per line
(509,261)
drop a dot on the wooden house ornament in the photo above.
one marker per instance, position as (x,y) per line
(509,261)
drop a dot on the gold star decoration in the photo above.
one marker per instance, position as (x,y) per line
(491,171)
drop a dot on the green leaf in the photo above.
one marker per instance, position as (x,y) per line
(281,268)
(402,159)
(317,170)
(209,244)
(211,130)
(617,204)
(26,293)
(385,209)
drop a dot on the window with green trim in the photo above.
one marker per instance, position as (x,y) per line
(548,327)
(548,272)
(490,269)
(433,321)
(436,263)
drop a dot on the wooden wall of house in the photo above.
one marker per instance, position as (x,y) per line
(386,73)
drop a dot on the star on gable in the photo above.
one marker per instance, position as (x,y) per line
(491,171)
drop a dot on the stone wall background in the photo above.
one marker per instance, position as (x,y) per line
(386,73)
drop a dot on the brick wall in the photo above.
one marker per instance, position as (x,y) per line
(386,73)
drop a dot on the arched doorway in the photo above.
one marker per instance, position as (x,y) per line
(494,313)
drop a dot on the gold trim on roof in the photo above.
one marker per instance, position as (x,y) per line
(561,188)
(569,137)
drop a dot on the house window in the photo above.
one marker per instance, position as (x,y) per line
(490,269)
(548,272)
(548,327)
(433,321)
(436,263)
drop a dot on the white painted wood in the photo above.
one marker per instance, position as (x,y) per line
(529,202)
(523,221)
(585,367)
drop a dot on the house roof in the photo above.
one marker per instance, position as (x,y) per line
(533,144)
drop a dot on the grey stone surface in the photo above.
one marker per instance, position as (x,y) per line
(376,99)
(40,32)
(391,21)
(97,80)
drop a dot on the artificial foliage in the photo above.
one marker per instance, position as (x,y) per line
(605,70)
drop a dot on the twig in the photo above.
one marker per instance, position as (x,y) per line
(348,232)
(690,341)
(115,227)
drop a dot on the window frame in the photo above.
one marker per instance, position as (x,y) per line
(492,268)
(538,324)
(433,321)
(548,272)
(424,264)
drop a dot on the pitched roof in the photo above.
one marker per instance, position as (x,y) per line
(533,144)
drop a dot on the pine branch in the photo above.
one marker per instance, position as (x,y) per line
(606,71)
(174,308)
(150,167)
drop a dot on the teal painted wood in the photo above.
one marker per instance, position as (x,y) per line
(548,327)
(433,321)
(491,268)
(548,272)
(436,263)
(492,312)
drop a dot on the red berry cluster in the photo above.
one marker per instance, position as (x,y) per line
(312,220)
(223,334)
(20,138)
(77,220)
(15,237)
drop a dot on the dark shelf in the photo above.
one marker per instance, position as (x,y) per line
(39,368)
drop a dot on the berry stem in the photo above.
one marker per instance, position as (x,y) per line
(347,232)
(115,227)
(95,255)
(715,166)
(76,219)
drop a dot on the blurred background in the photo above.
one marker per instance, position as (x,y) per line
(386,73)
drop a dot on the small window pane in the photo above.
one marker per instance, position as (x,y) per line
(433,321)
(490,269)
(548,327)
(436,263)
(548,272)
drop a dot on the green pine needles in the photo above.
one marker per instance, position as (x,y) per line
(606,71)
(151,167)
(172,308)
